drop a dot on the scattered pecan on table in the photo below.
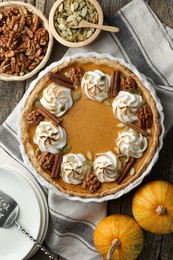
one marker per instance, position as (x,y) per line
(23,41)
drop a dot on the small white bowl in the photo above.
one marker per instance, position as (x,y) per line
(74,44)
(34,10)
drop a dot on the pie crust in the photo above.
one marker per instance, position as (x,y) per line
(140,164)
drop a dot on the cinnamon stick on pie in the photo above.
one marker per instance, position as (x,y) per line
(55,120)
(57,75)
(138,129)
(56,78)
(57,165)
(115,79)
(126,169)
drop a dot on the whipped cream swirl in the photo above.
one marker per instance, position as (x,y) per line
(56,99)
(96,85)
(107,167)
(131,143)
(125,105)
(49,138)
(73,169)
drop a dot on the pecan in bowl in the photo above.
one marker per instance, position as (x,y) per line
(25,41)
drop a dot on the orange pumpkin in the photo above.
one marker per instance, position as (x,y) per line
(118,237)
(152,207)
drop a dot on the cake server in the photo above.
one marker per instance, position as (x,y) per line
(9,211)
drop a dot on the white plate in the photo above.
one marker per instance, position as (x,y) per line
(13,243)
(42,202)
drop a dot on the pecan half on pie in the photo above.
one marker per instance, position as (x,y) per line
(90,127)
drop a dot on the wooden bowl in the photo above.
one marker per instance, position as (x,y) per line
(34,10)
(80,43)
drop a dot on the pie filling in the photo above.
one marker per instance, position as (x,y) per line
(90,127)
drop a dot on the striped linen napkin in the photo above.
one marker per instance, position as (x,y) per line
(142,41)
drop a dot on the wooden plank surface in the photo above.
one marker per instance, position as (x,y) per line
(156,247)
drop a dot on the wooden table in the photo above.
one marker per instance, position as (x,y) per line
(157,247)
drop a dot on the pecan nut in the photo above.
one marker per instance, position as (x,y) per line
(35,117)
(145,117)
(46,160)
(91,182)
(42,36)
(23,41)
(128,83)
(76,75)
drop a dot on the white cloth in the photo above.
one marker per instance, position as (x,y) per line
(142,41)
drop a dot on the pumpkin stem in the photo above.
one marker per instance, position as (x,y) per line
(115,244)
(161,210)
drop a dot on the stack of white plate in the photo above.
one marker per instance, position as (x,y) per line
(33,214)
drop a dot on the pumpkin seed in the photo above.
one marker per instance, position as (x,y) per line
(90,164)
(67,74)
(148,130)
(39,97)
(61,26)
(70,38)
(72,8)
(60,151)
(107,102)
(122,155)
(142,145)
(60,7)
(132,171)
(84,11)
(132,91)
(89,155)
(70,18)
(80,37)
(86,76)
(76,5)
(66,149)
(64,34)
(120,125)
(116,150)
(75,86)
(89,33)
(62,20)
(85,162)
(69,31)
(62,109)
(37,104)
(78,18)
(126,160)
(75,21)
(84,33)
(76,96)
(37,152)
(82,4)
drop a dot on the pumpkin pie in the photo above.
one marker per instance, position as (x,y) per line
(90,127)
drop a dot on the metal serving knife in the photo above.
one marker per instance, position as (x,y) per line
(9,211)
